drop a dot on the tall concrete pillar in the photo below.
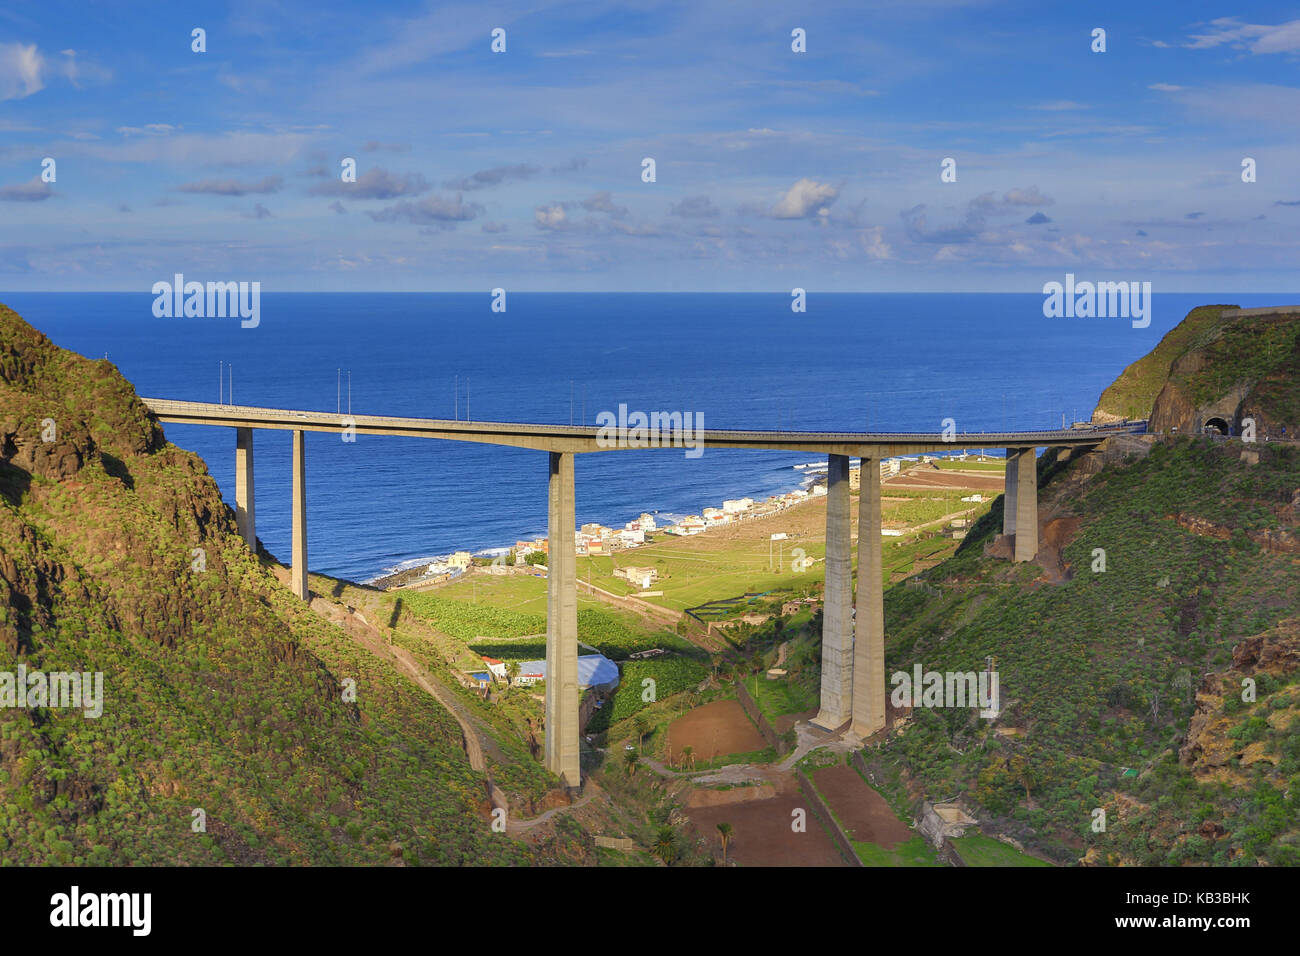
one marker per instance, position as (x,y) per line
(837,625)
(562,756)
(869,620)
(245,512)
(1026,505)
(298,570)
(1009,493)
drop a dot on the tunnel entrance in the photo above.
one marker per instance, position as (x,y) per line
(1217,424)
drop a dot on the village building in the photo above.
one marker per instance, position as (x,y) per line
(640,577)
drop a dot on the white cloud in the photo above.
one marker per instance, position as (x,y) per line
(1165,87)
(806,198)
(20,71)
(550,217)
(1255,37)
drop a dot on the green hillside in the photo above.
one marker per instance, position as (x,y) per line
(1099,674)
(221,692)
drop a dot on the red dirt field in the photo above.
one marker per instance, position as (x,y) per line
(761,834)
(713,730)
(863,813)
(939,479)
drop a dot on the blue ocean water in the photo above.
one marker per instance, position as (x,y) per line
(888,362)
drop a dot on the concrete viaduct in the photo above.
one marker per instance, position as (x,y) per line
(853,671)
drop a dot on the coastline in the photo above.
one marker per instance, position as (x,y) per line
(413,570)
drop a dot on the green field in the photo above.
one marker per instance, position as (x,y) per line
(979,850)
(782,696)
(915,852)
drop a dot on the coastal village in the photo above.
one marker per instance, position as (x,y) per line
(597,539)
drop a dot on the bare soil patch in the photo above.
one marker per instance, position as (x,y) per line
(941,479)
(761,834)
(714,730)
(863,813)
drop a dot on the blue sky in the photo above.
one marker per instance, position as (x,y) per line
(774,169)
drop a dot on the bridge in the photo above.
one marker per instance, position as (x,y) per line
(853,671)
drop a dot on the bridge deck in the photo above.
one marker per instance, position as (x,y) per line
(562,438)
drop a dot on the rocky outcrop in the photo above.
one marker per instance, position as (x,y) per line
(1208,746)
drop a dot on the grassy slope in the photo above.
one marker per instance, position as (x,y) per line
(1098,674)
(222,693)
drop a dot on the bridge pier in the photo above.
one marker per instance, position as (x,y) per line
(837,625)
(1026,505)
(298,569)
(245,513)
(562,754)
(1009,493)
(869,619)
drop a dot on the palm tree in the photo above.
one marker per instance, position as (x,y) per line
(512,672)
(724,834)
(688,753)
(642,727)
(666,845)
(629,761)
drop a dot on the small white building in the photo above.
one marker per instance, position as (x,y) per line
(734,506)
(646,521)
(638,577)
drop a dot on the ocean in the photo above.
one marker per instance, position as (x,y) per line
(886,362)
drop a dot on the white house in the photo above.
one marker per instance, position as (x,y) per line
(735,506)
(638,577)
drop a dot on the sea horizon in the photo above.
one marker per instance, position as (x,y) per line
(880,361)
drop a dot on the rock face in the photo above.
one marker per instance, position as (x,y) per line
(1209,747)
